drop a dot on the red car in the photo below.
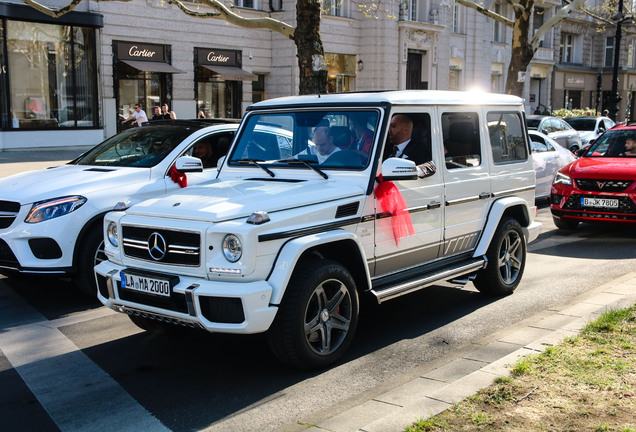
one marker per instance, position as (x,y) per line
(600,186)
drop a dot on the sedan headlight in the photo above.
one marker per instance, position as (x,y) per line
(111,234)
(50,209)
(562,179)
(232,248)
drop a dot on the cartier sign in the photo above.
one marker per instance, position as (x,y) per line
(140,51)
(218,57)
(574,81)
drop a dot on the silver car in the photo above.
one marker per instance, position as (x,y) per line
(548,157)
(556,129)
(590,128)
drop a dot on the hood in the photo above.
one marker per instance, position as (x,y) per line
(33,186)
(223,200)
(602,168)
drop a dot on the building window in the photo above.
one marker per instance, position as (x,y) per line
(341,71)
(335,8)
(569,48)
(630,55)
(52,74)
(248,4)
(413,10)
(258,89)
(496,72)
(499,30)
(457,18)
(538,18)
(609,52)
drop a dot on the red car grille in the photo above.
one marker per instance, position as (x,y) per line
(596,185)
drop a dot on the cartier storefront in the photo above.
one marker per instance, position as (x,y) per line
(142,75)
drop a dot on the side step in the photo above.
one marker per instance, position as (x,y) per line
(453,272)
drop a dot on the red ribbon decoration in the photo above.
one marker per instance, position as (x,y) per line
(178,177)
(391,201)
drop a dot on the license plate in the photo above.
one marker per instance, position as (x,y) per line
(599,202)
(146,284)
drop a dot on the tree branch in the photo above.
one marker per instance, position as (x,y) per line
(222,13)
(557,18)
(484,11)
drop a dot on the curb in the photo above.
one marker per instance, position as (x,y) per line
(476,366)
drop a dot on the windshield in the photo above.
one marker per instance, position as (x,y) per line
(582,124)
(620,143)
(137,147)
(326,139)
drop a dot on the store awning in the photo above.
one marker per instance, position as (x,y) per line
(160,67)
(230,73)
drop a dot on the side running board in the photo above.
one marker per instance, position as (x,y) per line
(418,282)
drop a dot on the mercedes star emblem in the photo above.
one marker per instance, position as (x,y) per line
(157,246)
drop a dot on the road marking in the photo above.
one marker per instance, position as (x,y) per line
(76,393)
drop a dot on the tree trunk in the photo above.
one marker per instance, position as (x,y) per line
(522,51)
(310,52)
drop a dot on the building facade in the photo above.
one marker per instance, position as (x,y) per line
(71,81)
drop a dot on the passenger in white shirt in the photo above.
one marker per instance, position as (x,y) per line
(323,144)
(138,116)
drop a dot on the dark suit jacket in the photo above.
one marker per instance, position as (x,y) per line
(420,153)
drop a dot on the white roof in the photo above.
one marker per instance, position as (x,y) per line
(397,97)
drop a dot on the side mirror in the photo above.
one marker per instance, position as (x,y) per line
(399,169)
(601,129)
(186,164)
(220,161)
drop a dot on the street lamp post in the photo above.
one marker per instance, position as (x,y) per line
(616,98)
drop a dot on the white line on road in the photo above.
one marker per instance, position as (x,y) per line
(76,393)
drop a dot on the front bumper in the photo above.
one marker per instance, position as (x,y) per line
(220,307)
(565,203)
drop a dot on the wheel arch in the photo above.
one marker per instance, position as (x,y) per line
(514,207)
(95,221)
(339,245)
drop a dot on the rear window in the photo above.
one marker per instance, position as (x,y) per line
(507,138)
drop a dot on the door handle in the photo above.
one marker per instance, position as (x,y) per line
(484,195)
(434,204)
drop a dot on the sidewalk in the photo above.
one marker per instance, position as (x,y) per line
(17,161)
(470,369)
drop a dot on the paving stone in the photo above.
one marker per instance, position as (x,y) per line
(455,370)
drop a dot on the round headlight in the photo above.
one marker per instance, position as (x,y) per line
(232,248)
(111,233)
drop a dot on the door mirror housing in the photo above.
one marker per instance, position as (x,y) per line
(186,164)
(399,169)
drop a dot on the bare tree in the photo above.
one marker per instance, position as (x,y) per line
(523,46)
(306,34)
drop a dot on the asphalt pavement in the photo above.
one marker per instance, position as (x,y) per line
(435,387)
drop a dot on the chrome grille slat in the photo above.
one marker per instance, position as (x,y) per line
(182,248)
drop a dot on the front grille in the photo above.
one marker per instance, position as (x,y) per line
(181,248)
(625,204)
(227,310)
(596,185)
(8,212)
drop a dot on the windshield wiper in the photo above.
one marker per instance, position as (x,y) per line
(256,162)
(293,161)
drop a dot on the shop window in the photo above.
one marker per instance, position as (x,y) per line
(258,89)
(341,71)
(52,74)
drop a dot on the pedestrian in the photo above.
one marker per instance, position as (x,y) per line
(166,113)
(157,115)
(138,116)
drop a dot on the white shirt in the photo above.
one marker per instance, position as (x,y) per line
(401,147)
(311,150)
(140,116)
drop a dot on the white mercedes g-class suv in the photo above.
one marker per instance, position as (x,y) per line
(297,226)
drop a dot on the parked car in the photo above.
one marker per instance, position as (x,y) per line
(556,129)
(590,128)
(51,219)
(287,243)
(548,157)
(600,186)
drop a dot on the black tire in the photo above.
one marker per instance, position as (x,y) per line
(565,224)
(91,253)
(318,316)
(506,260)
(154,326)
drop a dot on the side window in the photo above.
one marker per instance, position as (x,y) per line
(538,147)
(506,137)
(549,147)
(414,129)
(211,148)
(462,147)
